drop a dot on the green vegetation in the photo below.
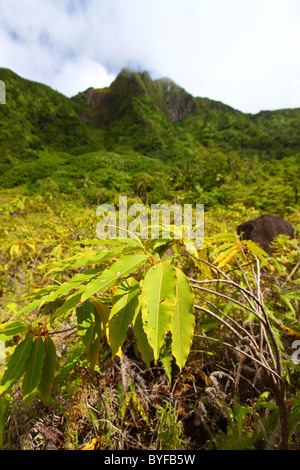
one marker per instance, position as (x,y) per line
(145,343)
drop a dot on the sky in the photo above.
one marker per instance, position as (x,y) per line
(245,53)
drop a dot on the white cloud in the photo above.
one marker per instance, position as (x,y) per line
(78,75)
(242,52)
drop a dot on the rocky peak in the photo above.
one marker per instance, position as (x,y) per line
(166,95)
(178,104)
(91,98)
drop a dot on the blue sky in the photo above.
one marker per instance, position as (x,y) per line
(244,53)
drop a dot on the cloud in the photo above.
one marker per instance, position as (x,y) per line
(244,53)
(78,75)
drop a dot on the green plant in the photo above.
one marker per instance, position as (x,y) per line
(169,430)
(127,283)
(118,283)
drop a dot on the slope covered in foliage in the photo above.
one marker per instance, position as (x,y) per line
(159,118)
(34,118)
(148,138)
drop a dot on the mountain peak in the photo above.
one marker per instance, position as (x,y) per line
(172,100)
(157,118)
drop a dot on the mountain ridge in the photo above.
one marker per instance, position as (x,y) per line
(149,138)
(154,117)
(135,97)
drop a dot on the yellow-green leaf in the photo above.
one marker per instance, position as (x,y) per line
(103,314)
(16,364)
(228,257)
(110,276)
(12,328)
(158,298)
(125,303)
(72,284)
(141,338)
(93,350)
(71,302)
(86,322)
(183,320)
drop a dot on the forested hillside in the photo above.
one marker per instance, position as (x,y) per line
(145,344)
(146,131)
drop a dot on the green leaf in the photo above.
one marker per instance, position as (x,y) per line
(223,237)
(200,263)
(16,364)
(95,257)
(294,417)
(101,318)
(183,320)
(29,308)
(40,292)
(110,276)
(91,257)
(240,412)
(90,329)
(11,328)
(76,281)
(166,357)
(93,350)
(158,299)
(51,306)
(289,304)
(114,241)
(226,255)
(49,369)
(71,302)
(225,247)
(125,303)
(141,338)
(257,251)
(33,369)
(86,322)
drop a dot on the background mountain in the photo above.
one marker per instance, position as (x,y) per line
(158,118)
(148,138)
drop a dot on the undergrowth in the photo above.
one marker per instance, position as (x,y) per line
(238,387)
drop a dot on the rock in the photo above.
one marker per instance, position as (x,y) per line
(264,229)
(177,103)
